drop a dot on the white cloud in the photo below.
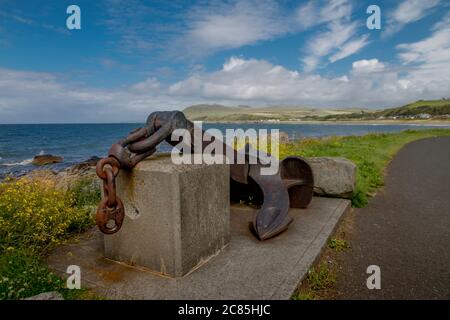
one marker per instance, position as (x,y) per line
(412,10)
(366,66)
(42,97)
(214,26)
(408,11)
(253,81)
(315,13)
(349,48)
(232,25)
(307,15)
(33,23)
(339,39)
(429,59)
(150,85)
(233,63)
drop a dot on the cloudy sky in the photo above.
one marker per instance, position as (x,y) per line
(134,57)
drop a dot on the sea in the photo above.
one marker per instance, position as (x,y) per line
(19,143)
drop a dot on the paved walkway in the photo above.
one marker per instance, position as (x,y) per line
(405,229)
(245,269)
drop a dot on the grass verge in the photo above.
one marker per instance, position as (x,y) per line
(320,281)
(371,153)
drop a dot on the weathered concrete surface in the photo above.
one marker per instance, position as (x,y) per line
(52,295)
(177,216)
(333,176)
(245,269)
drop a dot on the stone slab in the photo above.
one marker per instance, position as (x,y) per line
(245,269)
(176,215)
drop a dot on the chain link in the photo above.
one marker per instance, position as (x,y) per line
(110,211)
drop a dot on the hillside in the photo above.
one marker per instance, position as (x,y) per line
(421,109)
(431,107)
(216,112)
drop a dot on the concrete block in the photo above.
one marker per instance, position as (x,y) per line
(245,269)
(177,216)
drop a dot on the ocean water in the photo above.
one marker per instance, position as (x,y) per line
(78,142)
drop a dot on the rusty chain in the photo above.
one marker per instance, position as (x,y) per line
(291,187)
(110,211)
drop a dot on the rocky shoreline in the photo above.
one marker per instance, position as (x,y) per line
(62,179)
(333,176)
(47,163)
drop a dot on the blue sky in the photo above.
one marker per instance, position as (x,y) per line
(133,57)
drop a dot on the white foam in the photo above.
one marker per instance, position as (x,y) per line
(21,163)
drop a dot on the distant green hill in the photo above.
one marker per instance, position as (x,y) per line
(420,109)
(217,112)
(431,107)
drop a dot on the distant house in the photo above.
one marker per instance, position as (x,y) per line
(424,116)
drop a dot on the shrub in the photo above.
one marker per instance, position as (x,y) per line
(86,192)
(36,216)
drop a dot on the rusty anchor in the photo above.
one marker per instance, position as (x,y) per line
(291,186)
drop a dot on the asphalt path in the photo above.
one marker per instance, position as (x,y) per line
(405,229)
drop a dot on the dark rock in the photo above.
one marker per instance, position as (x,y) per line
(85,165)
(92,161)
(44,159)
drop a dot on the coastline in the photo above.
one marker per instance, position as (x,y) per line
(343,122)
(90,146)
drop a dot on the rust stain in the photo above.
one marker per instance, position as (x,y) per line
(109,276)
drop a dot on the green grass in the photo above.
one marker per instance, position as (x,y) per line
(431,103)
(320,277)
(436,108)
(371,153)
(86,192)
(34,218)
(304,295)
(338,245)
(23,275)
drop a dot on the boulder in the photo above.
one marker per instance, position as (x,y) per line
(44,159)
(333,177)
(92,161)
(53,295)
(85,165)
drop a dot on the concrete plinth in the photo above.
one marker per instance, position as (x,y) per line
(177,216)
(245,269)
